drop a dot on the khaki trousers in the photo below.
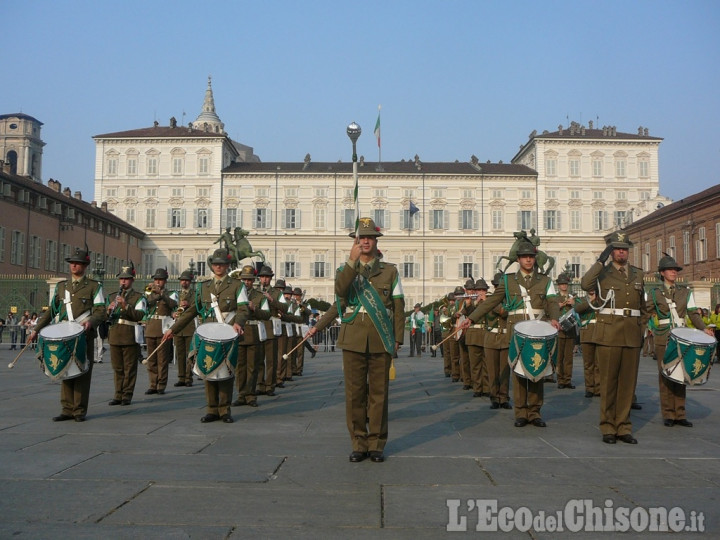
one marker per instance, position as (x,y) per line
(218,395)
(184,368)
(672,394)
(75,392)
(454,347)
(478,369)
(465,372)
(498,371)
(157,364)
(565,359)
(267,376)
(618,375)
(249,359)
(124,361)
(528,397)
(366,399)
(445,350)
(591,368)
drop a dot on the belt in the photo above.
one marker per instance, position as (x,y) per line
(253,322)
(158,316)
(663,322)
(624,312)
(125,321)
(497,330)
(523,311)
(478,326)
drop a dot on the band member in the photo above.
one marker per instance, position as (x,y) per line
(372,329)
(127,307)
(516,291)
(464,309)
(303,312)
(668,306)
(87,305)
(566,338)
(275,302)
(251,352)
(417,330)
(453,344)
(588,323)
(182,341)
(496,347)
(475,339)
(287,341)
(221,297)
(618,334)
(161,305)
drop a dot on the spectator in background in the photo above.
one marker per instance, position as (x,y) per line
(12,323)
(24,326)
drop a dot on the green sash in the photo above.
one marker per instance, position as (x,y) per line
(362,293)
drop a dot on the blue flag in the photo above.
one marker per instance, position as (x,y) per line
(413,209)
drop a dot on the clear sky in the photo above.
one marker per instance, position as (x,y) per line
(454,77)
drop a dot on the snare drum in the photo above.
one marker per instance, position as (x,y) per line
(568,322)
(61,350)
(533,349)
(214,347)
(688,355)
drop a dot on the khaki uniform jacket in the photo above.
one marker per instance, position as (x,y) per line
(134,311)
(82,300)
(228,293)
(657,304)
(474,336)
(541,297)
(360,334)
(562,311)
(588,320)
(617,330)
(189,295)
(497,318)
(159,305)
(257,315)
(276,308)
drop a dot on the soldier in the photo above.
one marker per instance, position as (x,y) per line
(668,305)
(372,329)
(566,338)
(453,344)
(417,329)
(127,307)
(446,327)
(474,340)
(527,293)
(87,305)
(618,335)
(183,339)
(288,339)
(303,312)
(221,297)
(251,352)
(496,346)
(161,305)
(465,308)
(588,322)
(275,302)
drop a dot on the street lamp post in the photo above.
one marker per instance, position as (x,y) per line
(99,271)
(191,264)
(354,131)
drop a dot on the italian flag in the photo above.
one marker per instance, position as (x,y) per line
(377,128)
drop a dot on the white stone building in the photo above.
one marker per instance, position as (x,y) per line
(184,185)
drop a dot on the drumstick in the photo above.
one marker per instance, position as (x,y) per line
(144,362)
(287,354)
(12,364)
(452,334)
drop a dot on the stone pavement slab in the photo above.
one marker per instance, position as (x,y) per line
(281,470)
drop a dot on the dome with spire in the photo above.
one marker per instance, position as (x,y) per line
(208,120)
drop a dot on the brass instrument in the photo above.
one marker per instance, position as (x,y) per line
(148,289)
(184,293)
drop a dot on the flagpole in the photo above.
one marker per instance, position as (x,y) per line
(354,131)
(377,136)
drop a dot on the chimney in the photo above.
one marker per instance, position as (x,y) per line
(103,206)
(66,192)
(93,204)
(78,195)
(5,167)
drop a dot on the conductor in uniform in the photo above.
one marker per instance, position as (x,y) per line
(373,324)
(618,334)
(87,304)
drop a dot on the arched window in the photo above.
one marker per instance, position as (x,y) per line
(12,160)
